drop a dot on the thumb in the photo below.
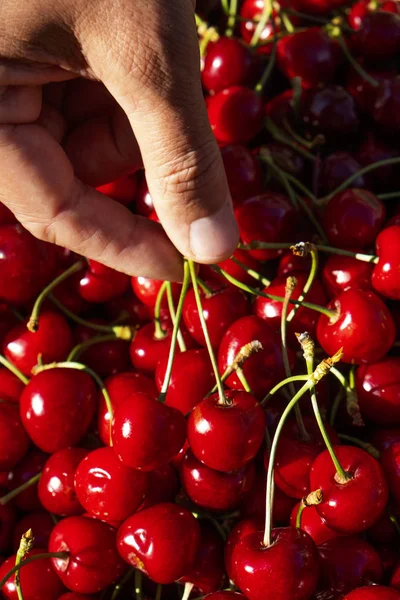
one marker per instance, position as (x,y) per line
(156,80)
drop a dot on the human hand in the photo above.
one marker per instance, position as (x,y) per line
(89,90)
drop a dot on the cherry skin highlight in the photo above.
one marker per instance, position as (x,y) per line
(385,277)
(378,391)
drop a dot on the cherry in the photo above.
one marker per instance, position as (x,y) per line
(120,387)
(250,12)
(7,321)
(271,310)
(56,485)
(312,524)
(221,308)
(161,541)
(291,263)
(316,6)
(373,150)
(288,569)
(72,596)
(106,358)
(385,277)
(93,562)
(57,407)
(146,433)
(378,391)
(337,168)
(262,370)
(295,455)
(26,264)
(287,159)
(378,36)
(237,533)
(123,190)
(353,218)
(128,309)
(348,562)
(147,291)
(310,54)
(67,292)
(388,99)
(106,488)
(14,442)
(143,201)
(192,378)
(364,93)
(235,114)
(226,436)
(10,386)
(40,522)
(8,519)
(383,531)
(364,327)
(355,505)
(100,283)
(383,438)
(37,579)
(243,171)
(207,573)
(269,217)
(236,270)
(395,579)
(374,592)
(32,464)
(53,341)
(340,273)
(228,62)
(390,461)
(224,596)
(162,486)
(214,490)
(330,111)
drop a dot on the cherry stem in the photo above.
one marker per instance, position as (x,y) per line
(204,287)
(21,488)
(159,332)
(123,332)
(225,6)
(138,585)
(264,18)
(299,515)
(354,63)
(370,448)
(158,592)
(269,68)
(393,520)
(80,348)
(266,282)
(281,384)
(250,290)
(287,22)
(187,591)
(313,499)
(220,387)
(29,560)
(280,136)
(303,249)
(171,307)
(25,546)
(209,35)
(389,195)
(6,363)
(236,365)
(33,323)
(258,245)
(174,337)
(370,258)
(232,13)
(118,586)
(242,378)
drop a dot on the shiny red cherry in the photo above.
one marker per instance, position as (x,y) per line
(290,263)
(123,190)
(100,283)
(330,111)
(336,169)
(243,171)
(385,277)
(378,36)
(390,461)
(32,464)
(26,264)
(53,341)
(93,562)
(236,270)
(262,370)
(378,391)
(269,217)
(226,436)
(57,407)
(147,291)
(239,531)
(162,486)
(14,442)
(221,308)
(214,490)
(343,272)
(373,592)
(236,114)
(355,505)
(56,485)
(8,519)
(10,386)
(38,579)
(120,387)
(309,54)
(312,524)
(40,522)
(161,541)
(146,433)
(192,378)
(228,62)
(346,563)
(286,570)
(363,327)
(250,13)
(107,488)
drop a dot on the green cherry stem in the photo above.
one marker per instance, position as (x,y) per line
(21,488)
(119,586)
(159,332)
(237,364)
(389,195)
(25,546)
(187,591)
(232,14)
(220,387)
(358,255)
(303,249)
(364,445)
(172,312)
(264,18)
(354,63)
(6,363)
(281,136)
(138,585)
(29,560)
(270,66)
(258,245)
(33,323)
(313,499)
(266,282)
(174,337)
(80,348)
(281,384)
(242,378)
(158,592)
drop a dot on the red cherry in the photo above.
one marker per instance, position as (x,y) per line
(123,190)
(243,171)
(374,592)
(6,216)
(143,201)
(56,485)
(310,54)
(346,563)
(224,596)
(73,596)
(262,370)
(228,62)
(336,169)
(106,488)
(395,579)
(290,263)
(269,217)
(286,570)
(26,264)
(312,524)
(235,114)
(237,533)
(147,291)
(57,407)
(8,519)
(364,327)
(32,464)
(40,522)
(238,272)
(221,308)
(330,111)
(10,386)
(378,36)
(353,506)
(120,387)
(7,321)
(38,579)
(250,12)
(340,273)
(147,433)
(385,277)
(378,391)
(128,309)
(214,490)
(100,283)
(162,486)
(316,6)
(383,438)
(93,562)
(14,442)
(390,461)
(161,541)
(192,378)
(53,341)
(353,218)
(226,436)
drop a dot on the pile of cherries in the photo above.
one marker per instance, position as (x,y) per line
(237,435)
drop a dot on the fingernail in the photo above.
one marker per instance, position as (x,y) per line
(216,237)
